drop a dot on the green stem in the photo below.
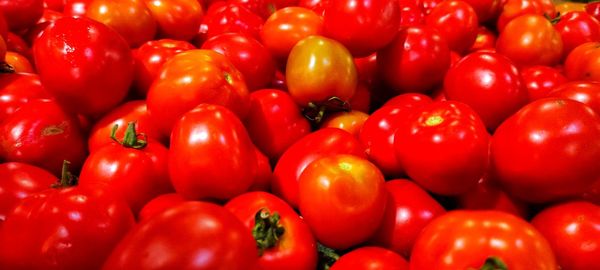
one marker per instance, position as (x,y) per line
(67,179)
(315,112)
(327,257)
(267,231)
(130,139)
(494,263)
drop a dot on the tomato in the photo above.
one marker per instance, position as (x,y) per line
(409,209)
(415,61)
(573,230)
(351,121)
(56,5)
(411,13)
(297,157)
(274,122)
(284,28)
(489,83)
(541,80)
(76,56)
(67,228)
(76,7)
(370,258)
(489,195)
(211,141)
(377,133)
(318,6)
(362,26)
(530,40)
(41,133)
(20,180)
(201,236)
(159,204)
(17,90)
(177,19)
(486,10)
(576,28)
(191,78)
(353,192)
(225,17)
(485,40)
(457,136)
(319,68)
(514,8)
(548,150)
(456,22)
(129,18)
(248,55)
(587,93)
(464,239)
(580,64)
(284,239)
(19,62)
(21,14)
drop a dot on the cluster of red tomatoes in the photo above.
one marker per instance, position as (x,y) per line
(299,134)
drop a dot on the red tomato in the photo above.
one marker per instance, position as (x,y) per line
(541,80)
(76,7)
(370,258)
(86,65)
(548,150)
(20,180)
(489,83)
(160,204)
(587,93)
(274,122)
(225,17)
(19,62)
(411,13)
(353,192)
(67,228)
(21,14)
(464,239)
(409,209)
(573,230)
(129,18)
(456,22)
(487,10)
(318,6)
(248,55)
(191,78)
(576,28)
(211,141)
(593,9)
(485,40)
(56,5)
(489,195)
(319,68)
(351,121)
(514,8)
(295,159)
(284,239)
(443,146)
(177,19)
(40,133)
(415,61)
(17,90)
(581,63)
(362,26)
(200,236)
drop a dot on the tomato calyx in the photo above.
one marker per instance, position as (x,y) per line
(327,257)
(315,112)
(554,20)
(6,68)
(494,263)
(131,138)
(266,231)
(67,179)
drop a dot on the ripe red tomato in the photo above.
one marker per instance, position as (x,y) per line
(548,150)
(580,64)
(177,19)
(415,61)
(370,258)
(210,141)
(515,8)
(191,78)
(351,121)
(464,239)
(159,204)
(17,90)
(485,40)
(411,13)
(489,83)
(86,65)
(353,192)
(200,236)
(585,92)
(265,215)
(319,68)
(443,146)
(576,28)
(573,230)
(456,22)
(409,209)
(541,80)
(225,17)
(21,14)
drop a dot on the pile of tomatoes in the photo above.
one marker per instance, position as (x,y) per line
(299,134)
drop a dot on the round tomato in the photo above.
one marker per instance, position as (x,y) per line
(456,22)
(581,63)
(514,8)
(576,28)
(177,19)
(370,258)
(485,40)
(587,93)
(541,80)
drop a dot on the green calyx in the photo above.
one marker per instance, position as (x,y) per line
(267,230)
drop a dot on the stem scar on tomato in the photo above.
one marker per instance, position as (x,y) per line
(267,230)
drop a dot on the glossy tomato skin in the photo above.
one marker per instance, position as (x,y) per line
(415,61)
(20,180)
(68,228)
(194,228)
(150,57)
(351,121)
(296,248)
(409,209)
(457,23)
(248,55)
(511,9)
(467,238)
(541,80)
(370,258)
(573,230)
(319,68)
(274,122)
(489,195)
(353,192)
(76,7)
(211,155)
(580,64)
(177,19)
(191,78)
(411,13)
(225,17)
(159,204)
(489,83)
(75,67)
(576,28)
(585,92)
(363,26)
(21,14)
(548,150)
(297,157)
(18,89)
(50,134)
(457,136)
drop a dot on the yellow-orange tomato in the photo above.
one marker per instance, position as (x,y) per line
(351,121)
(19,62)
(284,28)
(177,19)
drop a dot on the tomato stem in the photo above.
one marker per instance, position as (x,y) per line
(67,179)
(494,263)
(130,139)
(266,231)
(327,257)
(315,112)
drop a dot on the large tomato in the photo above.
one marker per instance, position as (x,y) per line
(370,258)
(177,19)
(457,23)
(18,89)
(548,150)
(86,65)
(541,80)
